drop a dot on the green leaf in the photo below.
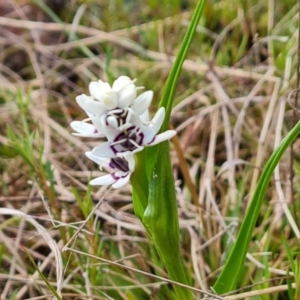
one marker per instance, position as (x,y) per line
(289,253)
(171,84)
(22,145)
(170,87)
(161,220)
(48,284)
(228,278)
(153,184)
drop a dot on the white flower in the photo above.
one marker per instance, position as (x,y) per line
(120,95)
(117,115)
(119,119)
(122,118)
(134,138)
(122,166)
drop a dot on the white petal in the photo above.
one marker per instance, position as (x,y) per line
(99,123)
(124,127)
(162,137)
(101,161)
(82,99)
(136,120)
(111,133)
(123,153)
(95,89)
(102,92)
(126,96)
(101,82)
(85,129)
(149,134)
(103,150)
(98,88)
(120,82)
(95,108)
(109,99)
(145,116)
(86,135)
(103,180)
(131,162)
(126,91)
(142,102)
(90,115)
(140,148)
(158,119)
(121,182)
(112,121)
(82,127)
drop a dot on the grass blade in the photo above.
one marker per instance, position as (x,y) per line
(229,275)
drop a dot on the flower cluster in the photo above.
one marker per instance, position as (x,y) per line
(119,115)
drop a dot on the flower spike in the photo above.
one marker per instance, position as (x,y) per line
(119,115)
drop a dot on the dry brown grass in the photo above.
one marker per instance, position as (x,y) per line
(228,119)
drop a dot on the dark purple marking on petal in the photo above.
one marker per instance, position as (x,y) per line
(115,177)
(115,149)
(124,140)
(119,163)
(121,116)
(151,141)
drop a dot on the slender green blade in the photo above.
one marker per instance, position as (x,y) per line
(145,162)
(228,278)
(48,284)
(170,87)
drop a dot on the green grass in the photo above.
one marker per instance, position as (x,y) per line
(43,171)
